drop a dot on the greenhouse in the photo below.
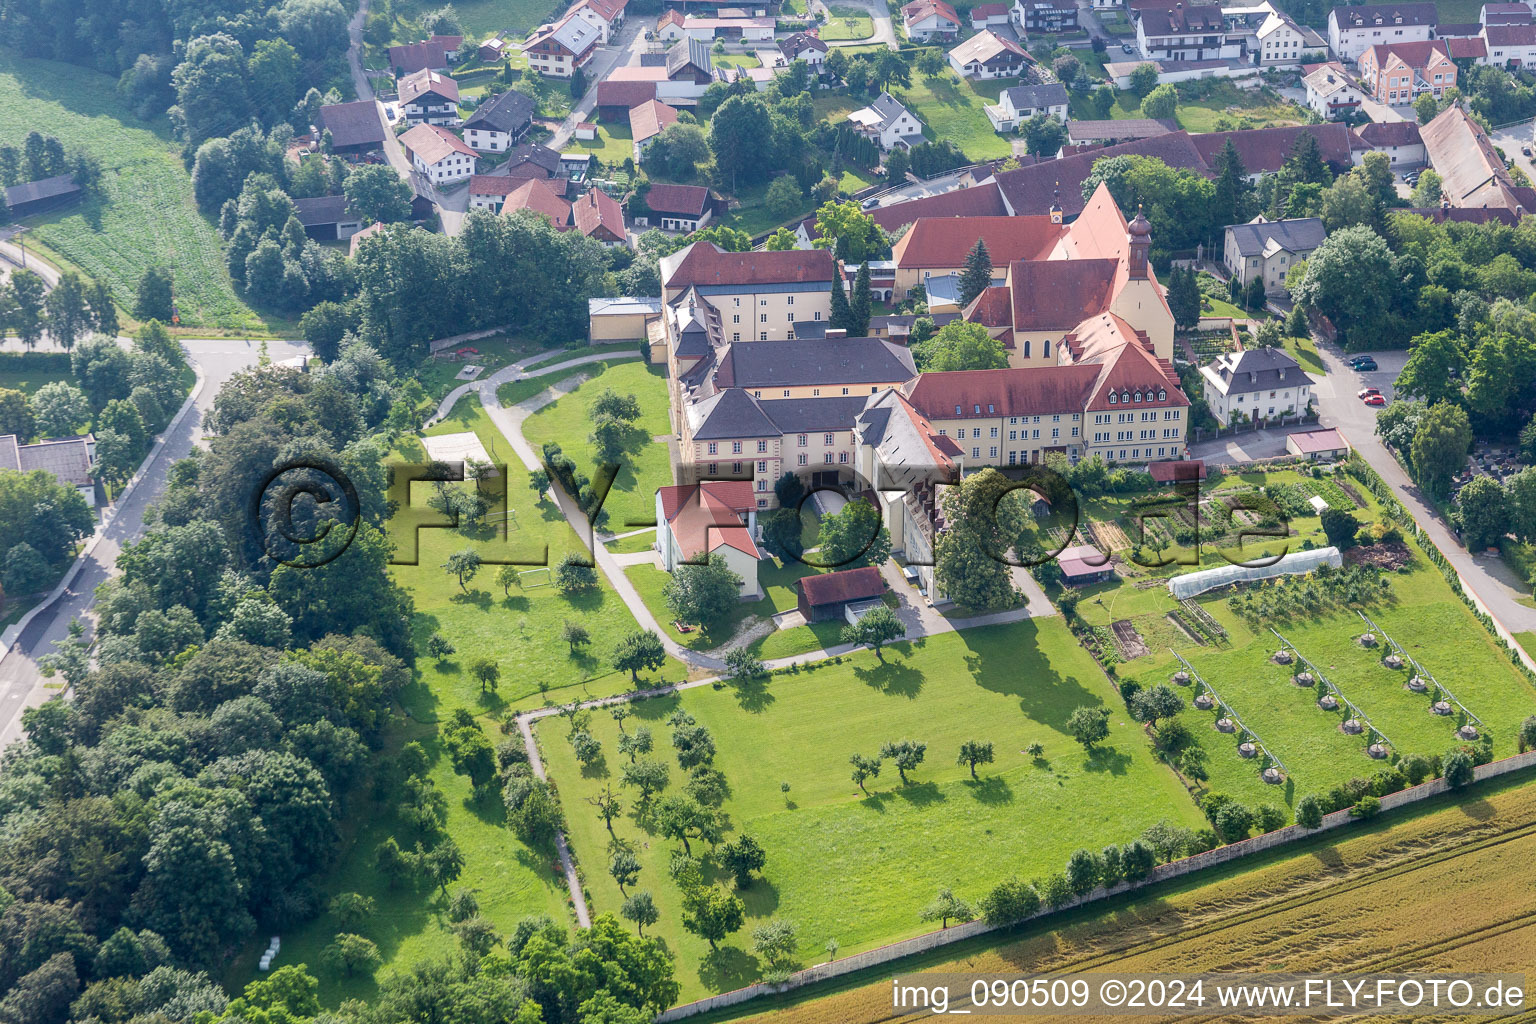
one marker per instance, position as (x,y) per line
(1192,583)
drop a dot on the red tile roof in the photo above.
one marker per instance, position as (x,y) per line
(1510,35)
(704,263)
(1391,133)
(536,195)
(493,184)
(981,11)
(992,308)
(624,94)
(429,53)
(1032,189)
(917,10)
(1178,469)
(1464,48)
(1059,294)
(1415,53)
(648,120)
(944,241)
(597,214)
(1310,442)
(1010,392)
(842,586)
(708,515)
(1266,149)
(688,200)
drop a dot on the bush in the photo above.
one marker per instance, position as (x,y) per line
(1368,807)
(1009,902)
(1309,812)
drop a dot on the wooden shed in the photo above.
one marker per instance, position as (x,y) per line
(827,596)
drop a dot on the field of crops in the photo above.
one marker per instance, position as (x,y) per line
(1441,886)
(146,213)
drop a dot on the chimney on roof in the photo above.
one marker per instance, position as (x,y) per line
(836,332)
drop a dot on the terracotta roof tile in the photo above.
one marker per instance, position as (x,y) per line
(597,214)
(704,263)
(945,241)
(844,585)
(536,195)
(689,200)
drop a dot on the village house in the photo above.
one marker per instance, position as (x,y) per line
(1047,16)
(542,197)
(1255,384)
(557,50)
(804,46)
(1510,46)
(492,50)
(499,122)
(427,97)
(887,123)
(532,160)
(1399,140)
(714,519)
(1472,174)
(988,16)
(1268,249)
(672,28)
(682,208)
(600,217)
(1280,42)
(438,154)
(647,121)
(928,21)
(1353,30)
(355,128)
(1332,93)
(607,16)
(988,55)
(1398,73)
(434,54)
(1181,32)
(1018,104)
(69,460)
(490,191)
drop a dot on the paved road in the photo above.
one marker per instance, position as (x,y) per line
(879,13)
(1510,140)
(21,684)
(1488,577)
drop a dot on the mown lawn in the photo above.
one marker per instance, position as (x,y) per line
(613,145)
(858,869)
(632,501)
(951,108)
(1264,110)
(848,23)
(145,215)
(41,368)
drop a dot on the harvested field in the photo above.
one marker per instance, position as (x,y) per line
(1110,537)
(1129,642)
(1442,886)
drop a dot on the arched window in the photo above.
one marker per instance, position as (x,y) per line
(1113,398)
(1138,398)
(1162,396)
(1125,397)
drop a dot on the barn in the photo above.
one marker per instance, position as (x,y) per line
(826,597)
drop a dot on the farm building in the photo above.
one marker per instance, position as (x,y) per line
(830,595)
(1318,444)
(1082,564)
(39,196)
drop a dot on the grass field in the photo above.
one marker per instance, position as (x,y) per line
(1264,109)
(632,501)
(613,145)
(42,368)
(951,108)
(146,214)
(848,23)
(1435,887)
(858,869)
(1304,351)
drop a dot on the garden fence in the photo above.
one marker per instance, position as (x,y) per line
(1162,873)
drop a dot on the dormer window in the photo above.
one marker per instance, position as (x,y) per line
(1113,398)
(1125,396)
(977,411)
(1162,396)
(1138,398)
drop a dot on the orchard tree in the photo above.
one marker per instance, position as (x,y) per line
(711,913)
(648,775)
(864,769)
(637,651)
(703,593)
(875,628)
(641,910)
(1156,702)
(575,635)
(487,673)
(743,857)
(1089,725)
(624,866)
(463,564)
(974,752)
(905,754)
(946,906)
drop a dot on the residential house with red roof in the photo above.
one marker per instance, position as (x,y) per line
(490,191)
(707,520)
(985,16)
(539,195)
(1400,140)
(434,54)
(683,208)
(607,16)
(647,121)
(599,216)
(1398,73)
(438,154)
(930,21)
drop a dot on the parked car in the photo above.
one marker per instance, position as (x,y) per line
(1127,48)
(1367,392)
(1375,400)
(1366,365)
(1526,150)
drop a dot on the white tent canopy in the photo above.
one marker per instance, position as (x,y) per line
(1193,583)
